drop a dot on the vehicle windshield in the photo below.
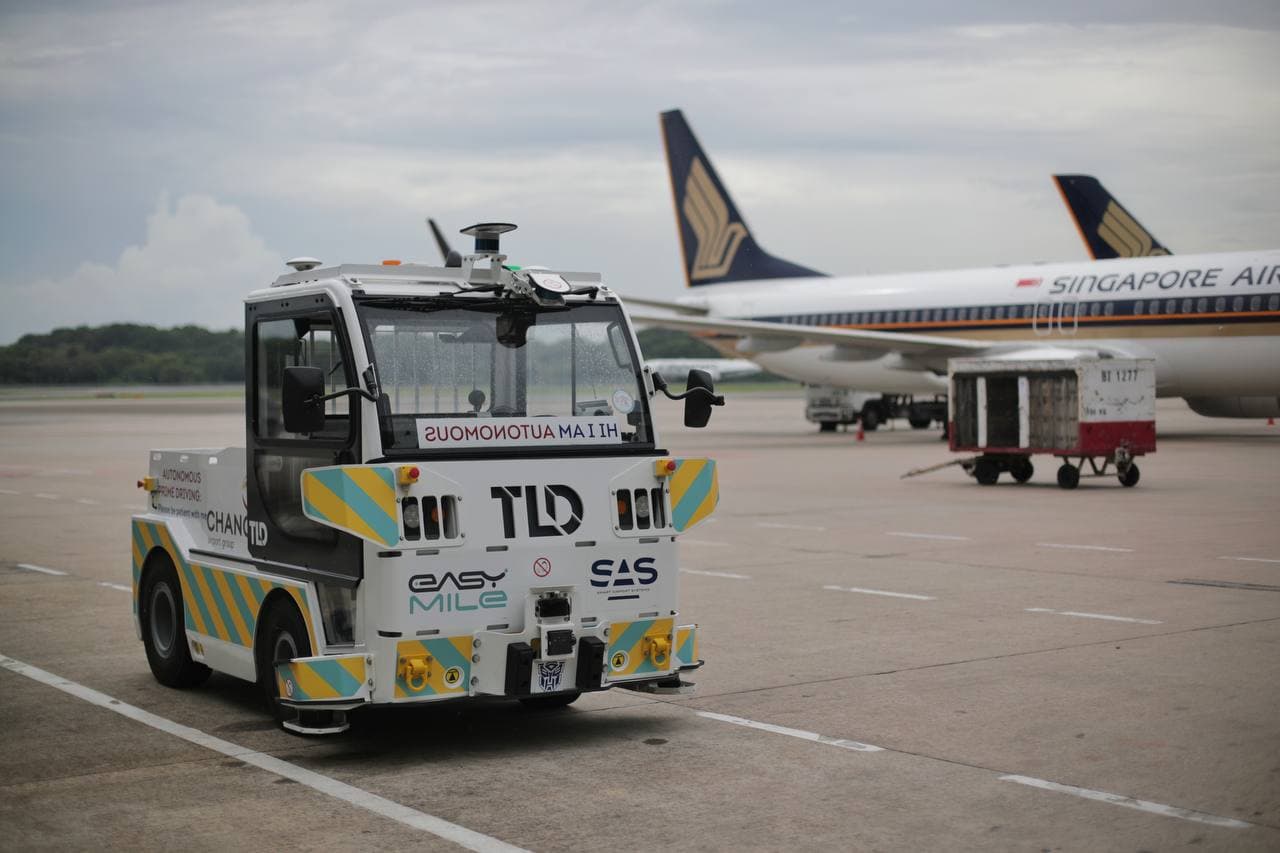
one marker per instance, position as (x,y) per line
(462,375)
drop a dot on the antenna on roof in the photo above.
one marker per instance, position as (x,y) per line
(450,255)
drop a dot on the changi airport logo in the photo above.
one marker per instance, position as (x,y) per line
(708,216)
(544,509)
(1122,233)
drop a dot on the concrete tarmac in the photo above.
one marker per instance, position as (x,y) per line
(891,664)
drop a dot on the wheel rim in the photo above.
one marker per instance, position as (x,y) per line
(163,618)
(285,647)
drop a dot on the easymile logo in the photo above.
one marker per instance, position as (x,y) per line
(445,600)
(462,580)
(550,511)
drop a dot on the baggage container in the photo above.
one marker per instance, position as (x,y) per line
(1099,411)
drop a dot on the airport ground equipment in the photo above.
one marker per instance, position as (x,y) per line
(452,487)
(829,406)
(1099,411)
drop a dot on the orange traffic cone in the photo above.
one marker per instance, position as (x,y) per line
(1271,421)
(860,435)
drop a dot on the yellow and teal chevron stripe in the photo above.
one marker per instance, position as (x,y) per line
(216,603)
(357,499)
(687,645)
(695,491)
(629,647)
(448,667)
(322,679)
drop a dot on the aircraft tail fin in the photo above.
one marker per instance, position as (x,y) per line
(715,240)
(1107,228)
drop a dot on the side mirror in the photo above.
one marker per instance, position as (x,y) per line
(303,413)
(697,406)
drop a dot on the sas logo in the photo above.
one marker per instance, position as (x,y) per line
(623,581)
(549,511)
(460,601)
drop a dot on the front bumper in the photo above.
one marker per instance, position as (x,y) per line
(545,659)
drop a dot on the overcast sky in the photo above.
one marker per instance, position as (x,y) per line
(160,159)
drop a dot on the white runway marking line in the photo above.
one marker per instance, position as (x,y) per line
(1129,802)
(881,592)
(926,536)
(41,569)
(120,587)
(46,496)
(1083,547)
(1251,559)
(776,526)
(1094,616)
(87,501)
(854,745)
(9,492)
(460,835)
(730,575)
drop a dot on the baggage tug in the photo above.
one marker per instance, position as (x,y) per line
(452,486)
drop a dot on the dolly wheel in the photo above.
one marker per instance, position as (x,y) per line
(1068,476)
(986,471)
(827,426)
(1022,470)
(1129,476)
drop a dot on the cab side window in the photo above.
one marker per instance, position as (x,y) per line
(294,342)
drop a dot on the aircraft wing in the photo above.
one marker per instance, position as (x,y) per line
(677,307)
(777,335)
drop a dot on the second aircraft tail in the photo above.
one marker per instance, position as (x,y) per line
(1108,229)
(717,245)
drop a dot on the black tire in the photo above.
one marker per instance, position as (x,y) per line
(550,701)
(919,421)
(986,471)
(827,426)
(1068,476)
(283,636)
(870,417)
(1129,477)
(1022,470)
(164,626)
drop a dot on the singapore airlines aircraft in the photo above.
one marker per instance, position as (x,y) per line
(1211,322)
(1108,230)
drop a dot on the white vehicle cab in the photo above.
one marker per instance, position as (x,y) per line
(452,487)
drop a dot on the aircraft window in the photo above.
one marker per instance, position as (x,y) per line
(1273,302)
(1202,305)
(1109,308)
(1237,303)
(1220,304)
(1186,306)
(1137,307)
(1255,303)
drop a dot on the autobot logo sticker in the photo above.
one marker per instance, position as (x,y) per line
(549,675)
(470,592)
(554,510)
(621,580)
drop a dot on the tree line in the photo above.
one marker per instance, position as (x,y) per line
(134,354)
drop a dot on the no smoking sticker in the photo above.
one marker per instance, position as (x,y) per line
(542,567)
